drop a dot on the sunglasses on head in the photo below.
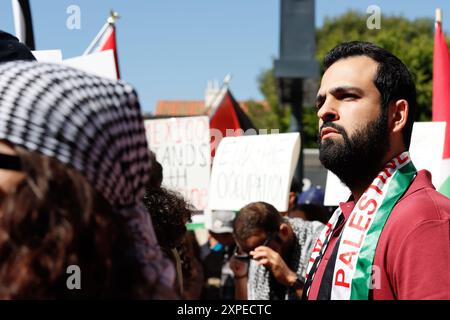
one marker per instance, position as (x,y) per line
(9,162)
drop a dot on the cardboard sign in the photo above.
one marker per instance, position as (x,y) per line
(254,168)
(426,150)
(182,146)
(48,56)
(100,64)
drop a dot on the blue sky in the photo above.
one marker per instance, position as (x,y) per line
(168,49)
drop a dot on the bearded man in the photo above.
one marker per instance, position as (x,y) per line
(391,239)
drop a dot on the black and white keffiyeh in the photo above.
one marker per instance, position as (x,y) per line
(94,125)
(260,282)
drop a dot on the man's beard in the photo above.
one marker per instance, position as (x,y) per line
(358,159)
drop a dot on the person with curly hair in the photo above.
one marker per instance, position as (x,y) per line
(170,213)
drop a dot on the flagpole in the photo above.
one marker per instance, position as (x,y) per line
(96,39)
(439,15)
(109,22)
(220,93)
(23,23)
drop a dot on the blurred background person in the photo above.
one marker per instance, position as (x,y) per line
(273,253)
(215,255)
(74,164)
(309,206)
(294,191)
(170,213)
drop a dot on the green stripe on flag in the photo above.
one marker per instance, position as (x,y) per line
(361,282)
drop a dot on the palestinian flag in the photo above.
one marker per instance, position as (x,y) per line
(441,97)
(106,40)
(228,115)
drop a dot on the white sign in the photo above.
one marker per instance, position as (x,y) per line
(335,191)
(48,56)
(182,146)
(102,64)
(254,168)
(426,150)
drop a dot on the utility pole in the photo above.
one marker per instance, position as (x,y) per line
(296,62)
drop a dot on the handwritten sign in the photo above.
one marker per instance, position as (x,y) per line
(254,168)
(182,146)
(426,150)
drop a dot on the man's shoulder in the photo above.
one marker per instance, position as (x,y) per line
(422,202)
(420,205)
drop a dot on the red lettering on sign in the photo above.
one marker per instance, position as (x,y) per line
(347,258)
(364,205)
(355,244)
(341,281)
(167,133)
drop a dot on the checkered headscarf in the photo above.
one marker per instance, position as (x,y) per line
(91,124)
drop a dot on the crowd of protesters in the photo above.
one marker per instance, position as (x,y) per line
(79,187)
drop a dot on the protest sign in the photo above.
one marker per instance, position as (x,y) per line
(182,146)
(48,56)
(101,64)
(254,168)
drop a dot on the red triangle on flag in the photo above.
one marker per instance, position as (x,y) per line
(111,44)
(106,40)
(229,119)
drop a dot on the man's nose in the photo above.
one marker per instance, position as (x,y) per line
(328,112)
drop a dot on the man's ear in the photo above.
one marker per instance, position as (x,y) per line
(284,231)
(398,115)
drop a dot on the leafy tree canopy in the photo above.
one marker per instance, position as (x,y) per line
(410,40)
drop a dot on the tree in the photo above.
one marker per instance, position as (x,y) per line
(273,116)
(410,40)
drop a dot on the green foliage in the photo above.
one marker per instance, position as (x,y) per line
(276,117)
(410,40)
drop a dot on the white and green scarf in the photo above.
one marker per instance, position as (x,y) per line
(359,239)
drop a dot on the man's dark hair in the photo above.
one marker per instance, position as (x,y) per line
(256,217)
(393,79)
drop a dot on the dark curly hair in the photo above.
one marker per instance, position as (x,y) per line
(170,213)
(55,219)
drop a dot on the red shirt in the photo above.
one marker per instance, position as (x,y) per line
(413,252)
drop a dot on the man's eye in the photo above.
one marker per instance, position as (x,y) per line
(349,97)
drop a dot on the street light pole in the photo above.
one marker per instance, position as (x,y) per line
(296,63)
